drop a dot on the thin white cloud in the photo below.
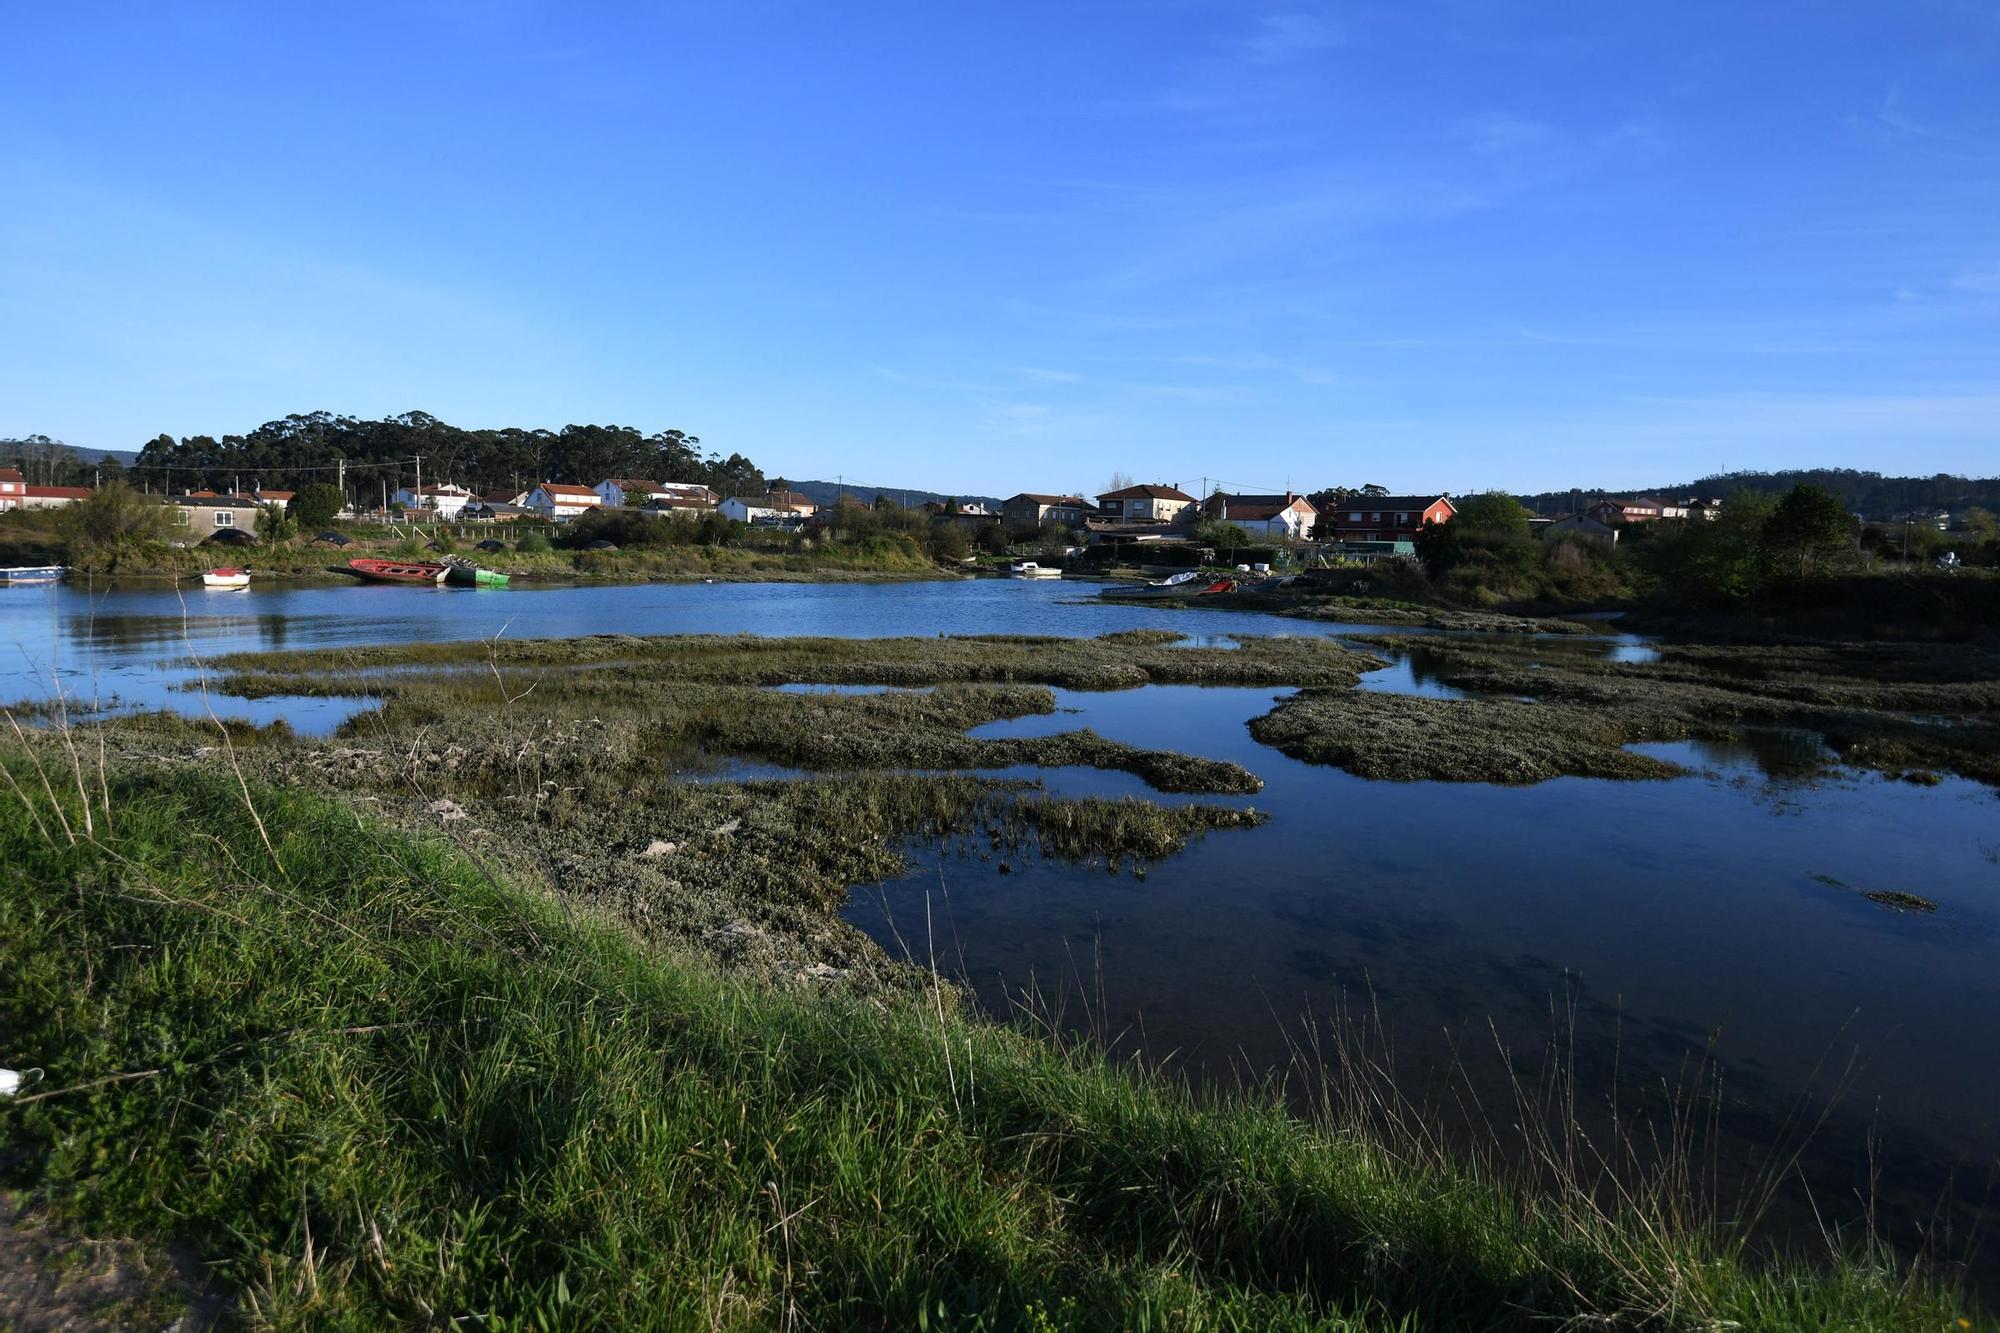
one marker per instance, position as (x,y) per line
(1289,36)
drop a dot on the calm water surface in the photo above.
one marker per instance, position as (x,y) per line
(1649,921)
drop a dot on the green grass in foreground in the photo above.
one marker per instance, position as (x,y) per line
(374,1087)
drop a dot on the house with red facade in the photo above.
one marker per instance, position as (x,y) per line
(1382,518)
(13,489)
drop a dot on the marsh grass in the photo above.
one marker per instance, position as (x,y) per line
(1892,708)
(374,1084)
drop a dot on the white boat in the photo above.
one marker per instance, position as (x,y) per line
(12,574)
(226,578)
(1028,569)
(1188,583)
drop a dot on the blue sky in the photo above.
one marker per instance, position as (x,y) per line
(984,248)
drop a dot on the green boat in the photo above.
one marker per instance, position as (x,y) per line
(472,576)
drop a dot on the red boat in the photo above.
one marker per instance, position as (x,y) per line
(398,571)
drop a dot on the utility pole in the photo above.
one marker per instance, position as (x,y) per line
(340,473)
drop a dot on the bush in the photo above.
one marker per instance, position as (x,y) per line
(535,543)
(317,505)
(948,541)
(113,518)
(274,524)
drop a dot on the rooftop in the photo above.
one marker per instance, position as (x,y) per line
(1376,504)
(1252,507)
(1152,491)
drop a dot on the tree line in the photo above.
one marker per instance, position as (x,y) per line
(1867,493)
(296,451)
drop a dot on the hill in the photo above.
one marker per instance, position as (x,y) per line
(1868,493)
(825,492)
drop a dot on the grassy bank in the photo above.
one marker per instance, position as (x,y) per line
(37,538)
(372,1084)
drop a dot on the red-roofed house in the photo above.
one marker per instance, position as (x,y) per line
(13,489)
(561,501)
(53,497)
(1143,504)
(1383,518)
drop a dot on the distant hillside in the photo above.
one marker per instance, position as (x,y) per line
(1867,493)
(824,492)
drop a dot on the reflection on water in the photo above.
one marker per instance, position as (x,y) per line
(1665,913)
(139,641)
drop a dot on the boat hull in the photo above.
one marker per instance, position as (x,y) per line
(226,578)
(31,574)
(399,571)
(468,576)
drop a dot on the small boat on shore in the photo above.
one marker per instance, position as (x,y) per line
(26,574)
(432,572)
(1028,569)
(465,574)
(225,577)
(1187,583)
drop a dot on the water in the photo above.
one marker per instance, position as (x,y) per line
(133,644)
(1651,919)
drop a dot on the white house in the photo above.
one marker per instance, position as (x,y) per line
(1269,516)
(772,507)
(445,500)
(558,500)
(748,509)
(613,490)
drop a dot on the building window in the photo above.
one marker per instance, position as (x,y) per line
(1402,519)
(181,517)
(1354,518)
(225,518)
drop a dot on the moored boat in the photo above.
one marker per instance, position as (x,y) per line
(1184,584)
(225,578)
(1028,569)
(398,571)
(25,574)
(465,574)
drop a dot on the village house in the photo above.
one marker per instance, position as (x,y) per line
(697,505)
(53,497)
(1143,504)
(786,507)
(1582,525)
(495,511)
(614,490)
(1285,517)
(444,501)
(264,497)
(560,501)
(199,515)
(1030,511)
(13,489)
(1383,518)
(1642,510)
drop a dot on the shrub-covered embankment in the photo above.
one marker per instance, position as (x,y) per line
(371,1084)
